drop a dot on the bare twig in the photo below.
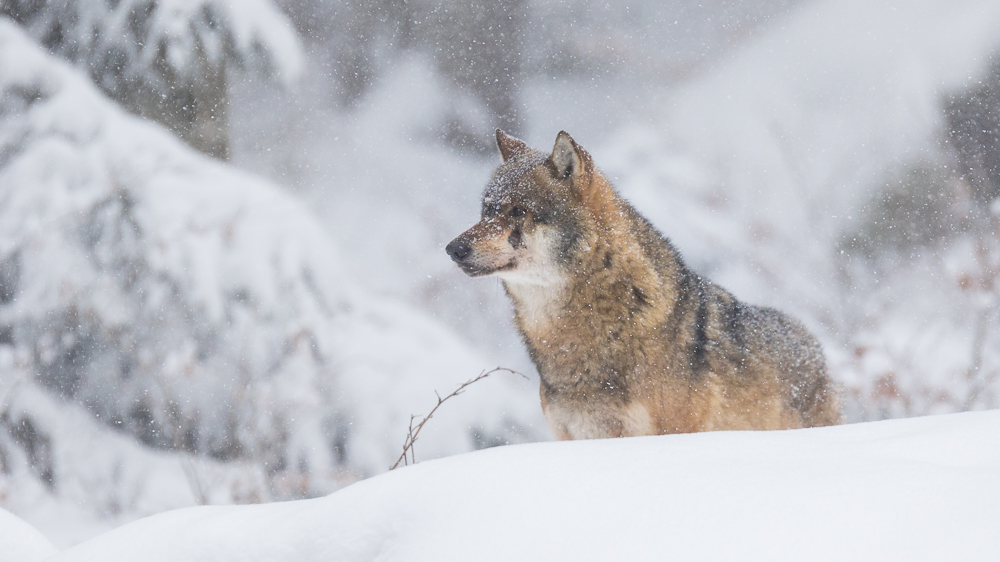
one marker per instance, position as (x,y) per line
(198,488)
(408,456)
(988,275)
(972,375)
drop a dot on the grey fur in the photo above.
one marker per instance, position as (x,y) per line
(626,338)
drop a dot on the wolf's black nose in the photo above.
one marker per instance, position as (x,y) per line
(458,249)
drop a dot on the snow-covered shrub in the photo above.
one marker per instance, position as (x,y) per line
(201,309)
(925,333)
(132,262)
(926,257)
(922,208)
(973,117)
(167,59)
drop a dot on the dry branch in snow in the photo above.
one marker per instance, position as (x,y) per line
(414,431)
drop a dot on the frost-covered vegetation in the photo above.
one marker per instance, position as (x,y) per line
(153,293)
(175,330)
(167,59)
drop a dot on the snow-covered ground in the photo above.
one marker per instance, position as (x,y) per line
(915,489)
(174,331)
(20,542)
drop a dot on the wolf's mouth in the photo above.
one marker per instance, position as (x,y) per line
(473,271)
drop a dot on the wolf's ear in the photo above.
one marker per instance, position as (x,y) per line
(570,161)
(509,146)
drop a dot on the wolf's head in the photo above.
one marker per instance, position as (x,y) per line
(536,209)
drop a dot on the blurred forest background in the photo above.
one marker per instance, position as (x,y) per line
(222,275)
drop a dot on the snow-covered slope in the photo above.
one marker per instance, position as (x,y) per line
(20,542)
(916,489)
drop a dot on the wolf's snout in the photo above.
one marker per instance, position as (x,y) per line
(459,249)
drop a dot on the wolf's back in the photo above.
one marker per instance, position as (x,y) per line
(798,361)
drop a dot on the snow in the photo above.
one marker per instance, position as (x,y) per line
(258,26)
(20,542)
(308,320)
(104,478)
(915,489)
(135,32)
(258,30)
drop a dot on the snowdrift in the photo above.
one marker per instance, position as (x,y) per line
(914,489)
(20,542)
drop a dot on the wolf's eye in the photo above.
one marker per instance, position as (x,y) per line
(516,212)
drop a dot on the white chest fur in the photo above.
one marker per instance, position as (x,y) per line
(538,306)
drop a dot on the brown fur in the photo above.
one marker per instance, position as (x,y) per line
(627,339)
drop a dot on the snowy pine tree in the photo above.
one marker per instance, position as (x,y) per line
(166,60)
(195,307)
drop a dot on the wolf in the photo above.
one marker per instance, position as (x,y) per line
(627,339)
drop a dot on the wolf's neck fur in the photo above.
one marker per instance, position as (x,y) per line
(537,307)
(619,287)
